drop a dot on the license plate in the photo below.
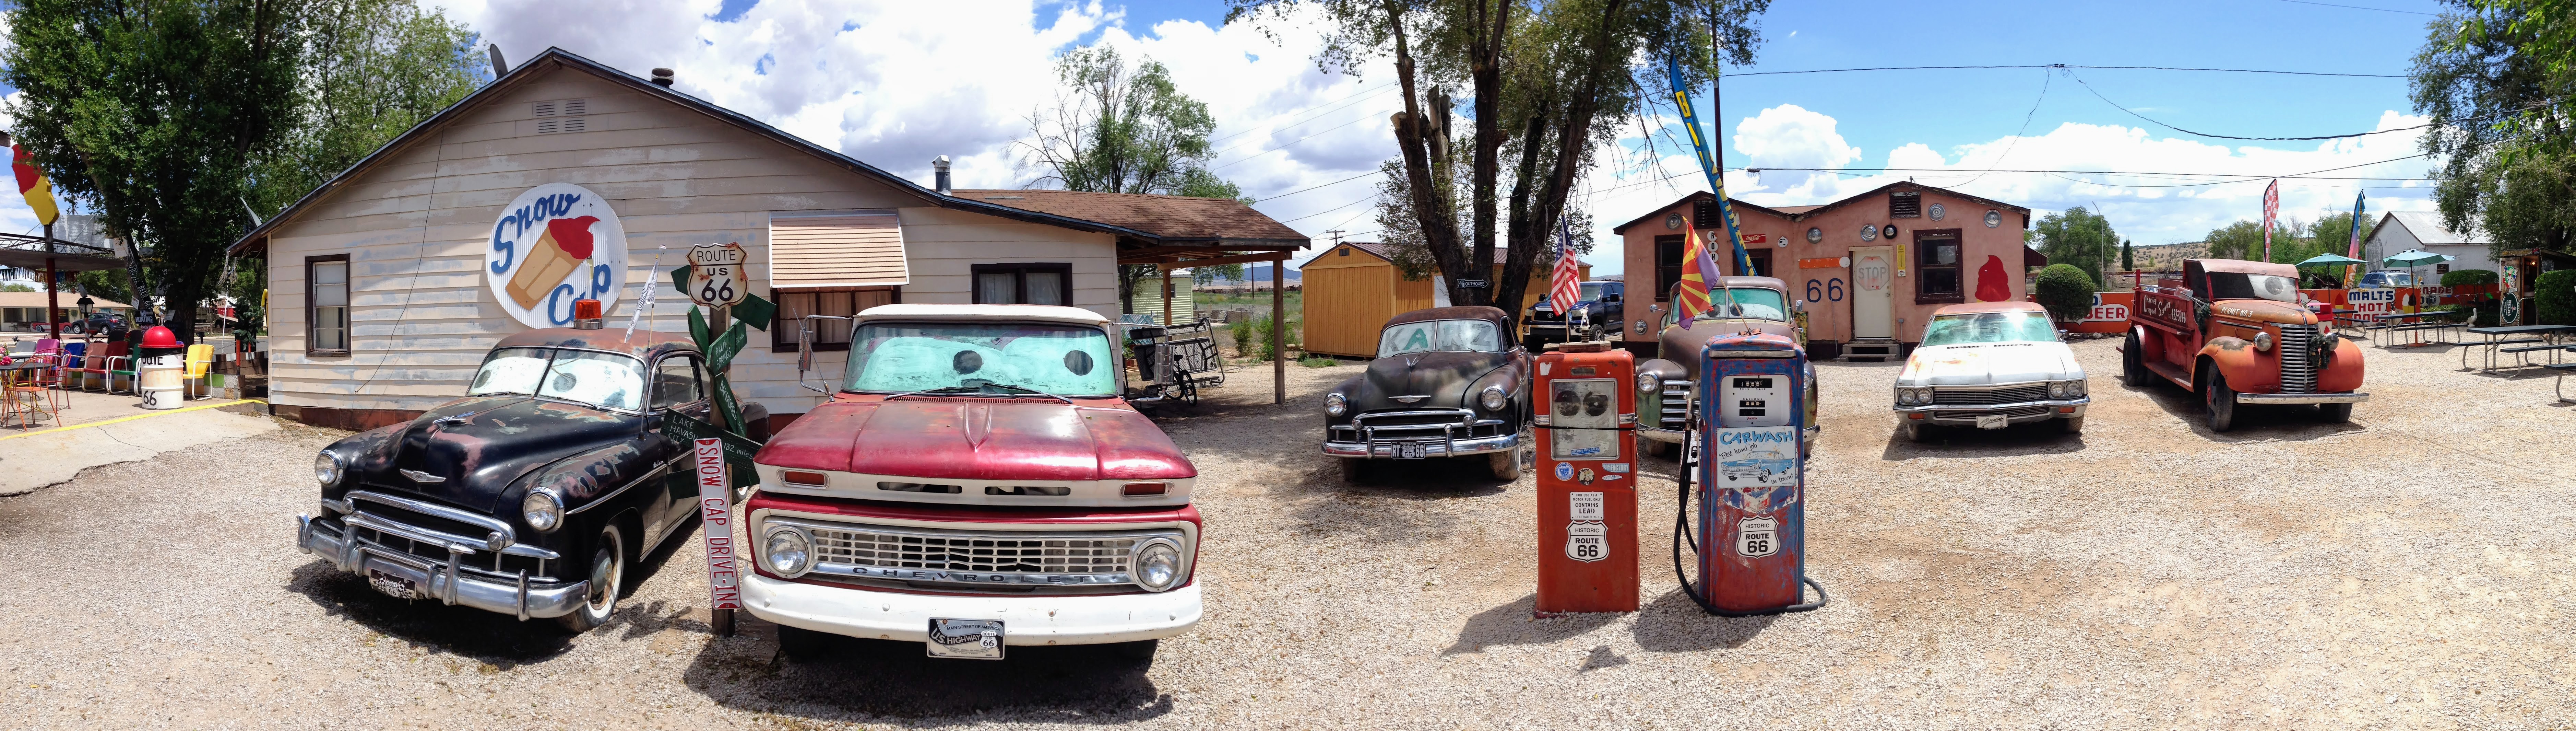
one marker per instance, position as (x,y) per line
(393,586)
(1991,421)
(1409,450)
(973,639)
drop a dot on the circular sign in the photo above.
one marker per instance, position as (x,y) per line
(1868,232)
(1815,235)
(1994,218)
(1889,232)
(1673,221)
(555,243)
(1936,211)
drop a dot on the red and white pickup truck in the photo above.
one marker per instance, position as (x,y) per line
(976,482)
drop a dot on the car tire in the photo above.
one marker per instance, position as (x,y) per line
(607,575)
(2221,402)
(1916,431)
(2335,413)
(1142,650)
(2071,426)
(1354,470)
(801,644)
(2133,363)
(1506,464)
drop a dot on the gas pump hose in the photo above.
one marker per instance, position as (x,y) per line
(1698,595)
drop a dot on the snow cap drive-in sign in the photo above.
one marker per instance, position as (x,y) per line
(555,243)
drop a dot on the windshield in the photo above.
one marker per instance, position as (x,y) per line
(1759,303)
(1056,359)
(2239,285)
(1591,291)
(1422,337)
(1989,327)
(606,380)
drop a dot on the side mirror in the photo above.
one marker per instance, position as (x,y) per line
(805,348)
(1798,306)
(1610,298)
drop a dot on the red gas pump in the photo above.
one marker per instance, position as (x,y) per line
(1751,471)
(1587,483)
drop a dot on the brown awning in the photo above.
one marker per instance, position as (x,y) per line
(842,249)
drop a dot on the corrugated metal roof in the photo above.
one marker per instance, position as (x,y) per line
(2427,227)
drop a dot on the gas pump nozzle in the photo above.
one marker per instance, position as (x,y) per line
(1751,539)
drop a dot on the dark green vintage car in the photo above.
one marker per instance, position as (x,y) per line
(1448,382)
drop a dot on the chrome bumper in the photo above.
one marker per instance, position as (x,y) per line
(444,581)
(1385,449)
(2049,410)
(1027,619)
(2269,399)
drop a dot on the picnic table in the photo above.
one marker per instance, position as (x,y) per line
(2520,340)
(2392,323)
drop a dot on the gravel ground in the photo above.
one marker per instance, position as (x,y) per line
(2406,570)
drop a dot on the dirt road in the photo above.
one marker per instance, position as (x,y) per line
(2408,570)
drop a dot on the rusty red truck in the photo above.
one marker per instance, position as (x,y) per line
(975,482)
(2235,333)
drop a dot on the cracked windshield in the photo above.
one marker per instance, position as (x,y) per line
(902,358)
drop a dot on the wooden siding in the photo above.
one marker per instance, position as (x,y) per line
(1346,301)
(415,227)
(858,249)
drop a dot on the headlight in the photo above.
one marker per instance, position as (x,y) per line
(2057,389)
(1647,384)
(787,552)
(2075,388)
(1336,404)
(1157,564)
(326,469)
(541,510)
(1493,399)
(2263,341)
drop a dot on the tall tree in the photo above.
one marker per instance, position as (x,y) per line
(2080,238)
(154,113)
(2496,76)
(1548,83)
(1118,128)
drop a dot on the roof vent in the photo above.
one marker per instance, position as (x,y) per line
(662,78)
(940,174)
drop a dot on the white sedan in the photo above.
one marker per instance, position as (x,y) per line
(1990,365)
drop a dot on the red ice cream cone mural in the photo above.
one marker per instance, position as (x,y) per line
(558,252)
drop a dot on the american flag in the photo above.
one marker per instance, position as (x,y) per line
(1565,288)
(2271,208)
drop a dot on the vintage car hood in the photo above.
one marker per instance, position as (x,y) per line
(1682,344)
(479,446)
(1444,376)
(2263,310)
(1977,365)
(978,439)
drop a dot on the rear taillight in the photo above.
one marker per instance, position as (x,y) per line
(1145,489)
(801,477)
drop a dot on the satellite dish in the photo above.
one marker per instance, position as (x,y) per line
(500,67)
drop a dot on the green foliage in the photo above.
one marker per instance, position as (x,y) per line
(1252,337)
(2065,291)
(1317,361)
(2128,256)
(1207,275)
(2081,239)
(15,287)
(2292,241)
(2488,312)
(2554,294)
(2495,77)
(375,69)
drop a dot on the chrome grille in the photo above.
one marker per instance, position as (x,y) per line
(1416,425)
(868,546)
(2298,366)
(1676,405)
(1945,396)
(2013,414)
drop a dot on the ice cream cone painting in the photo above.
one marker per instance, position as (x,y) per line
(553,244)
(557,252)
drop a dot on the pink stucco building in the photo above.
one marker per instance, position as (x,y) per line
(1870,267)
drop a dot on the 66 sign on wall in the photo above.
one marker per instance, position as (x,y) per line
(555,243)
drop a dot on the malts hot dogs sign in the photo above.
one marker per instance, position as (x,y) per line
(555,243)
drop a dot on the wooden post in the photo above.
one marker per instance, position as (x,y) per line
(1278,331)
(1167,298)
(719,318)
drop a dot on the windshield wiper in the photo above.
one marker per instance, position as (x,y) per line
(979,388)
(1024,389)
(935,391)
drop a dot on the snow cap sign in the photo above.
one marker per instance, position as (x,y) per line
(555,243)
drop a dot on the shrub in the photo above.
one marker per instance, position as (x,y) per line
(1316,361)
(2488,312)
(2065,291)
(2554,294)
(1252,338)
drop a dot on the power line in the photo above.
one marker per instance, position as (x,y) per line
(2097,94)
(2044,78)
(1291,143)
(2237,177)
(2066,66)
(2357,7)
(1329,210)
(1312,187)
(1354,95)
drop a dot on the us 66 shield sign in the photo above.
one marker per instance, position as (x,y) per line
(716,278)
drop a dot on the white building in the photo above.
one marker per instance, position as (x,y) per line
(2402,230)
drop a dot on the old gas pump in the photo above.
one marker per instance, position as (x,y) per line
(1587,486)
(1751,472)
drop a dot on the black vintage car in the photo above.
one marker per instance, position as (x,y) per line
(1447,382)
(531,495)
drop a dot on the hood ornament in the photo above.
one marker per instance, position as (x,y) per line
(464,418)
(1408,399)
(422,477)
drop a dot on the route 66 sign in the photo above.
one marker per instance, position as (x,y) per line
(1757,536)
(716,278)
(1587,541)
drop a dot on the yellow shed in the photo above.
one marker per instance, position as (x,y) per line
(1352,288)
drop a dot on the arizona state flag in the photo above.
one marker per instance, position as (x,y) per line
(1690,298)
(33,185)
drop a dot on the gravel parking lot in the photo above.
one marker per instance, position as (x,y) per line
(2407,570)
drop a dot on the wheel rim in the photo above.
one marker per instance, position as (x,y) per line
(605,572)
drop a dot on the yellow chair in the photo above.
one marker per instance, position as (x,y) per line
(201,357)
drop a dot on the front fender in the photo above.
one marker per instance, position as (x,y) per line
(2247,371)
(589,476)
(1650,402)
(2343,368)
(1353,390)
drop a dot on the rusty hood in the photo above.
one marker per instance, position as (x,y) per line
(2263,310)
(1980,364)
(978,439)
(468,452)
